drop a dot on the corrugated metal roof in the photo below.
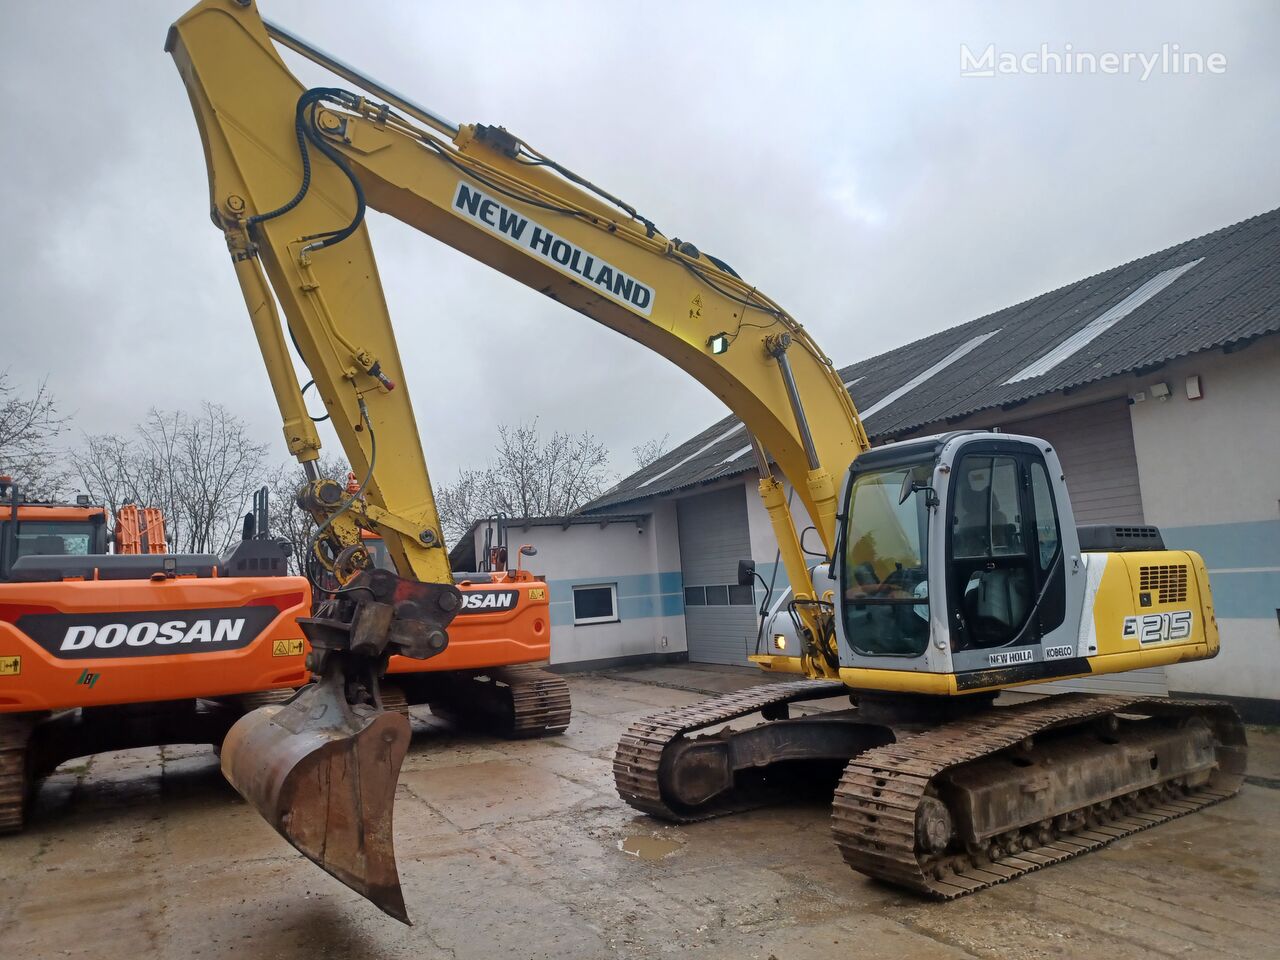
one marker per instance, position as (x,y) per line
(1222,288)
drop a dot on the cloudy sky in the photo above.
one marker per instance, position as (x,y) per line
(832,153)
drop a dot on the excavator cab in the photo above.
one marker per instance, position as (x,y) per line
(953,557)
(959,556)
(33,528)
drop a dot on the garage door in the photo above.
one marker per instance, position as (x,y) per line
(719,616)
(1095,445)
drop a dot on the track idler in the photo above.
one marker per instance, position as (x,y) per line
(322,769)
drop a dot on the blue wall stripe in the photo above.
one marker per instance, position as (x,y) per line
(1229,545)
(1243,596)
(640,595)
(629,584)
(1247,594)
(1224,546)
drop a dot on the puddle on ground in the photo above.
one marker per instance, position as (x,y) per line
(648,848)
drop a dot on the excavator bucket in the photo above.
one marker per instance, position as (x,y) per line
(323,773)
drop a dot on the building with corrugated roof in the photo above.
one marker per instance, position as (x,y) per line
(1158,383)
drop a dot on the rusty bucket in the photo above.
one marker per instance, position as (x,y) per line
(323,773)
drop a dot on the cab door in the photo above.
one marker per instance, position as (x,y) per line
(1008,567)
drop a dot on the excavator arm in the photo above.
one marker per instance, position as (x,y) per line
(292,171)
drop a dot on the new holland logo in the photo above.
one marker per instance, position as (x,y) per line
(1010,657)
(489,601)
(150,633)
(519,231)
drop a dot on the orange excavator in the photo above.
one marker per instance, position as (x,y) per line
(501,608)
(108,641)
(95,618)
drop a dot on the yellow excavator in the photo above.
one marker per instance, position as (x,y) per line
(953,567)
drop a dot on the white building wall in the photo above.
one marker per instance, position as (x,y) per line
(642,561)
(1210,475)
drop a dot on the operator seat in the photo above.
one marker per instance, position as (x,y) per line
(996,604)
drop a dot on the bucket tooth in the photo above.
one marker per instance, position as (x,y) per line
(323,773)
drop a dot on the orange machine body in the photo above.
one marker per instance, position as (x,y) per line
(85,643)
(93,638)
(505,620)
(501,623)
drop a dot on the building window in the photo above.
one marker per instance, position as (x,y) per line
(719,595)
(596,603)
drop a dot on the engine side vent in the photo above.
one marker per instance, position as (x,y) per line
(1109,538)
(1170,580)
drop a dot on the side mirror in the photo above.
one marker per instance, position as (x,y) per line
(908,488)
(746,573)
(808,548)
(526,550)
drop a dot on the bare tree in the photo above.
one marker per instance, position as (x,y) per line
(650,451)
(110,469)
(529,476)
(200,469)
(29,427)
(219,468)
(461,502)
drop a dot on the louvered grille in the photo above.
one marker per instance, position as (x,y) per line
(1138,533)
(1170,580)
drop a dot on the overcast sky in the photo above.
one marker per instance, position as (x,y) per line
(832,153)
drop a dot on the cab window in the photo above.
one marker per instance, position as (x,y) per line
(1048,539)
(991,576)
(48,538)
(379,554)
(885,599)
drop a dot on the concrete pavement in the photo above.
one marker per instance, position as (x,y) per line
(524,850)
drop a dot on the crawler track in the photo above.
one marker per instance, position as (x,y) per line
(877,808)
(393,699)
(539,701)
(263,698)
(15,735)
(516,702)
(638,760)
